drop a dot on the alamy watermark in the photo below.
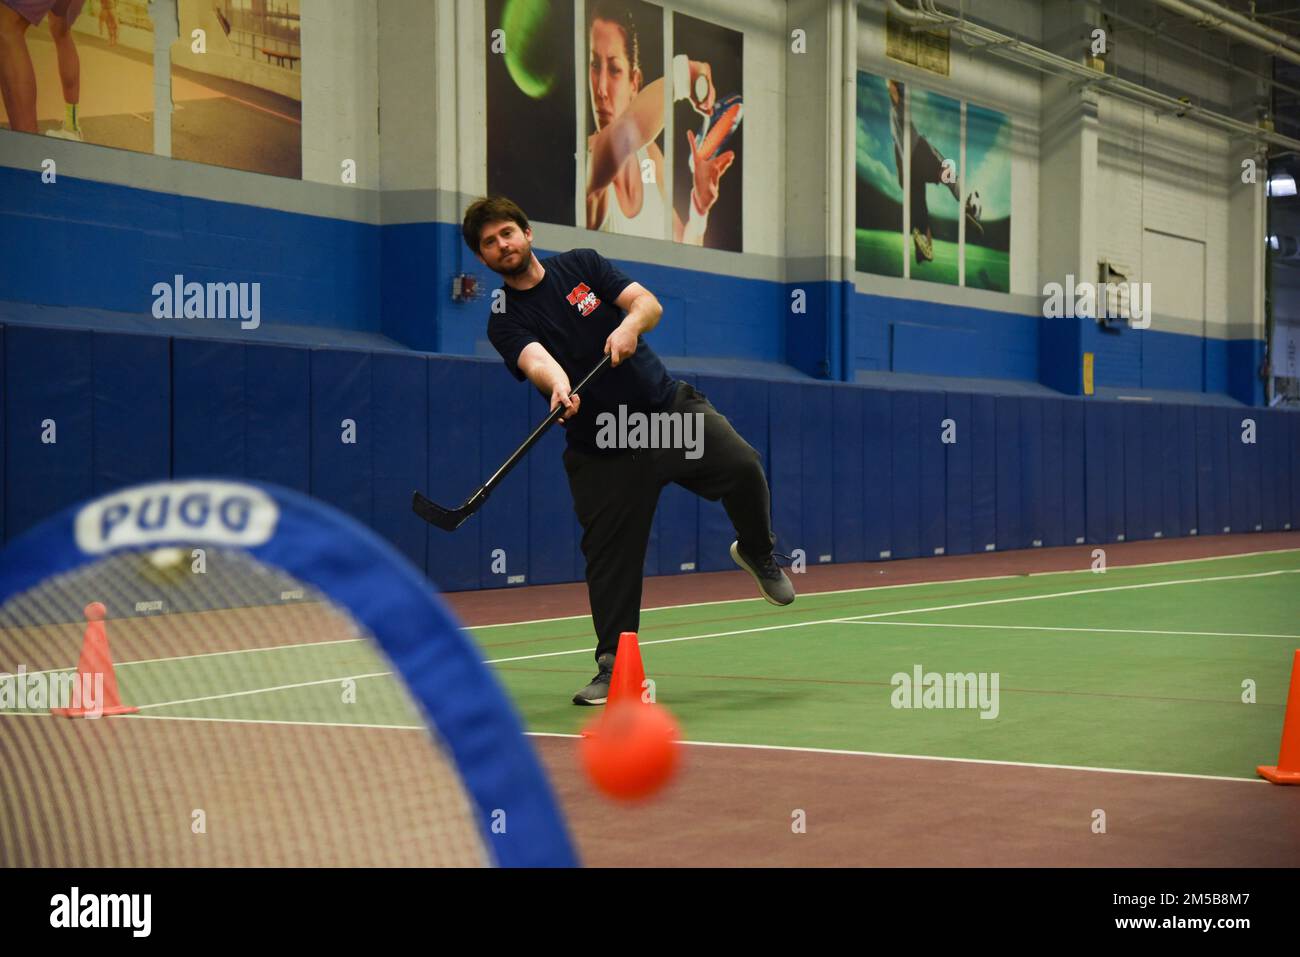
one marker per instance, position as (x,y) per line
(1092,300)
(130,911)
(214,300)
(58,689)
(652,430)
(930,689)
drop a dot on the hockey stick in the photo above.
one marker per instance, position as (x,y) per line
(452,518)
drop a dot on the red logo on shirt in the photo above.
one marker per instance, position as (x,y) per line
(583,298)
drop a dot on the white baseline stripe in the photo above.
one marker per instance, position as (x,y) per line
(664,641)
(933,757)
(208,654)
(312,724)
(709,744)
(727,601)
(240,694)
(873,588)
(1079,591)
(1111,631)
(856,619)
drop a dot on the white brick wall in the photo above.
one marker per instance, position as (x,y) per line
(340,90)
(1167,175)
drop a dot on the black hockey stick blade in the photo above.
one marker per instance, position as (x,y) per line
(451,519)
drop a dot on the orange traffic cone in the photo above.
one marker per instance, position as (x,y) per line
(625,684)
(1287,770)
(96,662)
(628,681)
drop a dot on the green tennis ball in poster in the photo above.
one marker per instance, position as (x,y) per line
(527,59)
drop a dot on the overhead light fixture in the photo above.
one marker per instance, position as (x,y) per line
(1281,184)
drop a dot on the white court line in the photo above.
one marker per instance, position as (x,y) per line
(1078,591)
(855,619)
(731,744)
(727,601)
(875,588)
(304,724)
(240,694)
(664,641)
(206,654)
(935,757)
(1113,631)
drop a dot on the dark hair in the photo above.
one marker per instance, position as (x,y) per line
(618,13)
(489,209)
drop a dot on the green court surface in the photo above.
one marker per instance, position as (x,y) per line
(1138,668)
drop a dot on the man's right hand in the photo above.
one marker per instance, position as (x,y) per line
(560,396)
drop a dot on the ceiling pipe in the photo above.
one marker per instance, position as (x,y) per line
(1187,47)
(1026,54)
(1272,34)
(1192,10)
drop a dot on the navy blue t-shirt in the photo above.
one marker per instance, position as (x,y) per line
(571,312)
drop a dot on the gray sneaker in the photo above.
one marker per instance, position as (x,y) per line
(772,582)
(598,690)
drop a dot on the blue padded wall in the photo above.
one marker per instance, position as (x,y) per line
(905,429)
(1074,473)
(1134,485)
(554,535)
(1243,471)
(3,415)
(400,461)
(1009,474)
(848,474)
(1033,481)
(785,463)
(503,529)
(342,471)
(984,473)
(958,468)
(933,519)
(131,415)
(856,473)
(816,479)
(454,470)
(1052,508)
(1117,478)
(49,428)
(877,472)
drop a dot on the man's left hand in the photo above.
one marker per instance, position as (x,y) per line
(620,344)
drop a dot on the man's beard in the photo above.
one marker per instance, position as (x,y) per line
(525,260)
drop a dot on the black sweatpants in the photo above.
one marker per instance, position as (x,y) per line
(614,496)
